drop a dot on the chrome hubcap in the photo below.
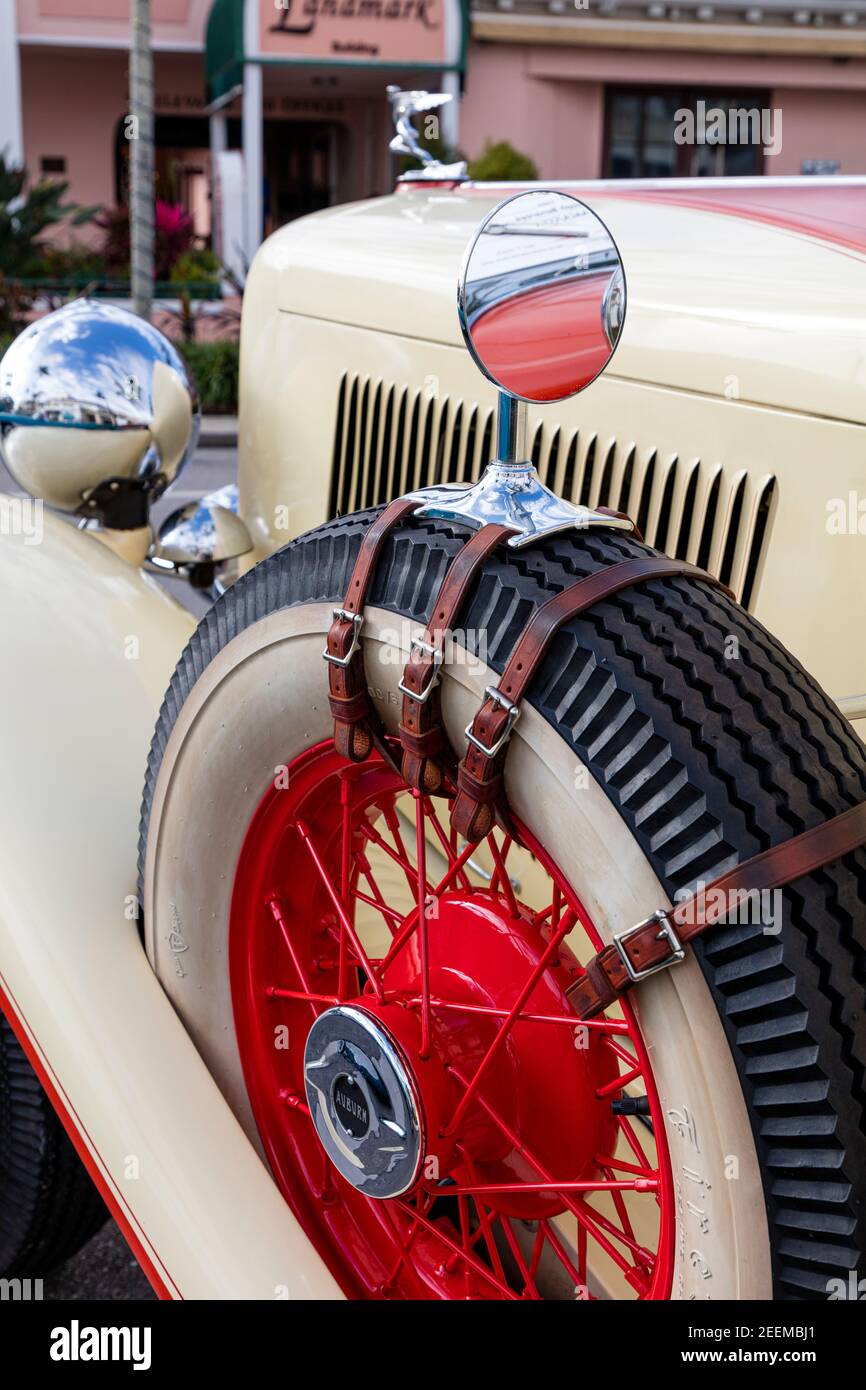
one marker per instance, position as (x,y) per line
(363,1102)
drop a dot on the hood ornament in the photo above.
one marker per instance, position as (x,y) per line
(404,107)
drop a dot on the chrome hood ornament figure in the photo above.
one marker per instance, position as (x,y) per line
(404,107)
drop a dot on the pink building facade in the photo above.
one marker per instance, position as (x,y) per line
(601,89)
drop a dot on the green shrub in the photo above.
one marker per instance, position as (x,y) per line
(195,266)
(215,368)
(73,262)
(27,210)
(501,162)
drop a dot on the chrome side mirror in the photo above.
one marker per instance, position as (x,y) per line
(98,413)
(202,540)
(541,296)
(541,299)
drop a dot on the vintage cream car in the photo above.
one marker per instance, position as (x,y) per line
(179,971)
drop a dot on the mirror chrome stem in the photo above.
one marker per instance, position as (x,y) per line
(510,492)
(511,427)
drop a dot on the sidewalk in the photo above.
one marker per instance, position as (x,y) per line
(218,432)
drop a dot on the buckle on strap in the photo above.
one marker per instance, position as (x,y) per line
(438,655)
(513,712)
(356,619)
(665,933)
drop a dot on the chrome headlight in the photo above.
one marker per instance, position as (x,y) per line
(98,414)
(201,540)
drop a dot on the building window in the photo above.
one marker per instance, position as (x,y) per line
(52,164)
(642,126)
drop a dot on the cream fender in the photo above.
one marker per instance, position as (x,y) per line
(90,645)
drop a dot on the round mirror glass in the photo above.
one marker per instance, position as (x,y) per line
(542,296)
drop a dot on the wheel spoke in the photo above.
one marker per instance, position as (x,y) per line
(621,1166)
(495,1189)
(303,996)
(552,1236)
(391,915)
(345,873)
(500,874)
(618,1082)
(529,1288)
(444,840)
(470,1259)
(584,1215)
(632,1140)
(502,1036)
(645,1258)
(411,921)
(487,1011)
(277,912)
(621,1052)
(421,855)
(619,1203)
(339,908)
(484,1221)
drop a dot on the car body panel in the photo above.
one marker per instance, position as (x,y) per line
(96,642)
(707,289)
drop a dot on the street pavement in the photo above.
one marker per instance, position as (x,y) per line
(106,1268)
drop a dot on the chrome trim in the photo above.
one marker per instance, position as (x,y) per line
(853,706)
(208,531)
(513,495)
(613,307)
(357,621)
(438,655)
(665,933)
(513,713)
(348,1044)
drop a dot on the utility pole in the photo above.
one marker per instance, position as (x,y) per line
(140,136)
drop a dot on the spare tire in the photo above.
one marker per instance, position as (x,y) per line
(666,737)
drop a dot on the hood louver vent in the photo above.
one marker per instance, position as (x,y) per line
(389,439)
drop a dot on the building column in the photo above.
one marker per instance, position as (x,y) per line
(218,133)
(449,115)
(11,126)
(252,135)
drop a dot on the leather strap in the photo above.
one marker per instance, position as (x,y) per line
(479,776)
(650,946)
(354,716)
(636,534)
(421,729)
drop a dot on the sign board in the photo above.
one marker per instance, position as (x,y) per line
(405,32)
(395,35)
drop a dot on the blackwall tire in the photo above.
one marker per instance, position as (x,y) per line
(49,1207)
(704,742)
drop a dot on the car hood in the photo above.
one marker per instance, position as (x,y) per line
(746,290)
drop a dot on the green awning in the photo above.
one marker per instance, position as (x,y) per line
(224,40)
(224,48)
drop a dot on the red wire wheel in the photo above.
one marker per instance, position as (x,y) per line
(438,1119)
